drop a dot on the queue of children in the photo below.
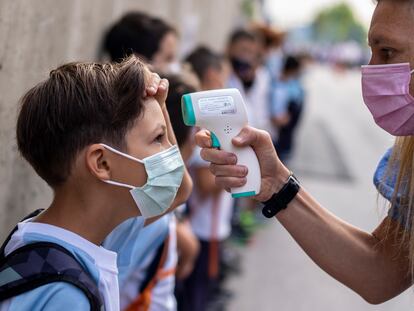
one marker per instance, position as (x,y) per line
(136,221)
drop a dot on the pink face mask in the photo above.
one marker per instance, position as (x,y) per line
(386,92)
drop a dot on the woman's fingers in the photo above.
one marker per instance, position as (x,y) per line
(228,170)
(218,156)
(230,182)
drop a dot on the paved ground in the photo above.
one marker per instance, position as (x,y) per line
(338,149)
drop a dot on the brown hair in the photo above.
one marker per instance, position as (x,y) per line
(78,105)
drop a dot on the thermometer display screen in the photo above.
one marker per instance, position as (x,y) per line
(217,106)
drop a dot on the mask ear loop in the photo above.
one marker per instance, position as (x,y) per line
(115,183)
(118,184)
(122,154)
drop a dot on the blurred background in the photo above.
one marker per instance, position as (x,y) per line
(337,142)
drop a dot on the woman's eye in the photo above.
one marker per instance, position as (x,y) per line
(387,53)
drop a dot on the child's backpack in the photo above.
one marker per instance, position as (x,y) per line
(37,264)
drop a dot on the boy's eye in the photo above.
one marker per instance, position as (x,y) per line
(159,138)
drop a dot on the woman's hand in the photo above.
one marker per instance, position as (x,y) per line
(230,175)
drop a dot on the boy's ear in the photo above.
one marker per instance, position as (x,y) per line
(97,162)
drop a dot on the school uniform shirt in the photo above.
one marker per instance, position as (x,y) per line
(137,247)
(285,93)
(274,64)
(210,217)
(256,98)
(99,262)
(385,180)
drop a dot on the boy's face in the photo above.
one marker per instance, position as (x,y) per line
(147,137)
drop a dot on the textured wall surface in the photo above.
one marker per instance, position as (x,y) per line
(38,35)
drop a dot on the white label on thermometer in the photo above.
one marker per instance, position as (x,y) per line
(217,106)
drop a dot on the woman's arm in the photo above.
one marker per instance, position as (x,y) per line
(373,265)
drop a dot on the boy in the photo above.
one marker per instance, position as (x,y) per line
(94,133)
(211,208)
(287,106)
(250,77)
(147,257)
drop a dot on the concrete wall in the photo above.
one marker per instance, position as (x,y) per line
(38,35)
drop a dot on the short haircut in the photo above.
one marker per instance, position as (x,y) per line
(202,59)
(78,105)
(177,89)
(135,33)
(242,34)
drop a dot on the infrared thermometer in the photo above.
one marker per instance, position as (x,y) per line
(224,114)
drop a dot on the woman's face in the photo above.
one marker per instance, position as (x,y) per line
(167,53)
(391,34)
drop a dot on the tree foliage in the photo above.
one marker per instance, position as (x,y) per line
(338,24)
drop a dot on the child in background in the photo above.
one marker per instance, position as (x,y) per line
(147,261)
(287,106)
(250,77)
(149,37)
(87,130)
(210,206)
(187,243)
(148,280)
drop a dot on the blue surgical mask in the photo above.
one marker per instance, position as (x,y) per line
(165,172)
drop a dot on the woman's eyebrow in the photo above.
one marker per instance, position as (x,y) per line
(376,39)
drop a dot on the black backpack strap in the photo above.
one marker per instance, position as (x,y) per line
(153,267)
(37,264)
(31,215)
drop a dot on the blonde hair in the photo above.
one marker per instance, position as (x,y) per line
(403,158)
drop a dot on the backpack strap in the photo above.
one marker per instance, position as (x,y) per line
(38,264)
(3,247)
(143,301)
(155,265)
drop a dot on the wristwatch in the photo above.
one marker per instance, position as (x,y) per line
(279,201)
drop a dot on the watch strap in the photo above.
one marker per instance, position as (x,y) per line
(279,201)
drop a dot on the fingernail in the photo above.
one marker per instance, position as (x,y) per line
(238,139)
(233,159)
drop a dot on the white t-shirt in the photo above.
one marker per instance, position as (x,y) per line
(210,217)
(257,99)
(98,261)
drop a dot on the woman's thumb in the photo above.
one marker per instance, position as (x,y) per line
(246,137)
